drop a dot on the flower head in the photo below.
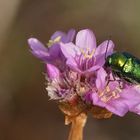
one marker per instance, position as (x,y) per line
(77,71)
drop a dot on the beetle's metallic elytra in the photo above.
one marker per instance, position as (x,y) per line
(125,66)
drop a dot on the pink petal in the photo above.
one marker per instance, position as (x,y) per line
(131,97)
(102,48)
(101,81)
(70,36)
(73,65)
(136,109)
(117,107)
(96,100)
(69,50)
(35,44)
(38,49)
(86,39)
(100,60)
(56,34)
(92,69)
(55,51)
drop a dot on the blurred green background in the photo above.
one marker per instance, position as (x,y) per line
(25,112)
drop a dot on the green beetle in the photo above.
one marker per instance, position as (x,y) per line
(125,66)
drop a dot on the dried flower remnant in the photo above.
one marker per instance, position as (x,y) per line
(77,79)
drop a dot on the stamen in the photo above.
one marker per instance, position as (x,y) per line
(118,89)
(101,94)
(106,99)
(107,94)
(114,93)
(50,43)
(87,53)
(107,89)
(56,40)
(137,86)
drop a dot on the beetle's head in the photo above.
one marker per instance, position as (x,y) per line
(108,62)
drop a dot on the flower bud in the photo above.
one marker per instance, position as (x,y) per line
(52,71)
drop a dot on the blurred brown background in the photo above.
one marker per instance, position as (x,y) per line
(25,112)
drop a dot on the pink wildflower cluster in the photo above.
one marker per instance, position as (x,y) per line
(75,69)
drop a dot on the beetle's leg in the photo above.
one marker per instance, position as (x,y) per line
(114,79)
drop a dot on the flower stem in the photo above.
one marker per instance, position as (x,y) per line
(77,126)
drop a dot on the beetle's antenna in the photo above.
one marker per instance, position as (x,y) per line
(107,47)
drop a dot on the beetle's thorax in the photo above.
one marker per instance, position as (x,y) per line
(116,61)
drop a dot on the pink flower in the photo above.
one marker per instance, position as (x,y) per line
(117,97)
(84,56)
(52,54)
